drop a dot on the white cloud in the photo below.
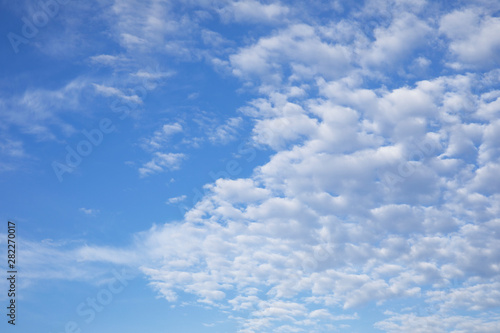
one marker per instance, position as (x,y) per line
(89,211)
(485,180)
(161,137)
(404,35)
(239,190)
(38,111)
(279,122)
(54,260)
(161,162)
(280,231)
(438,324)
(176,200)
(226,132)
(318,230)
(106,59)
(111,91)
(253,11)
(474,38)
(213,38)
(479,297)
(12,148)
(12,153)
(106,254)
(155,27)
(153,75)
(297,47)
(132,41)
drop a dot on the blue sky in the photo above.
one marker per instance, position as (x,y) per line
(252,166)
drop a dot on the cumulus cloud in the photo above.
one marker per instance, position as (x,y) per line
(319,225)
(374,195)
(473,36)
(404,35)
(298,47)
(437,323)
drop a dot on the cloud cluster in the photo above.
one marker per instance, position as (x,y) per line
(373,195)
(321,229)
(382,189)
(474,40)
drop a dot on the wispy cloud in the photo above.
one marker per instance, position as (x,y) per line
(226,132)
(153,75)
(12,148)
(176,200)
(161,137)
(161,162)
(111,91)
(89,211)
(39,111)
(108,59)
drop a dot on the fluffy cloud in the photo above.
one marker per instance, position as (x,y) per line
(297,47)
(438,324)
(319,225)
(374,195)
(405,34)
(474,40)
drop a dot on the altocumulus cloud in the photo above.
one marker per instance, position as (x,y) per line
(382,188)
